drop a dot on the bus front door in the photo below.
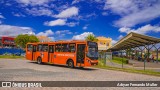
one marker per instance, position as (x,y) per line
(34,52)
(51,54)
(80,54)
(29,52)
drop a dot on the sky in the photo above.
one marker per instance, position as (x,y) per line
(75,19)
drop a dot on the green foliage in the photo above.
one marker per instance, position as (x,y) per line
(22,40)
(119,60)
(91,37)
(101,62)
(10,56)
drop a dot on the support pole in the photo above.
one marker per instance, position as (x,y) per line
(105,59)
(130,54)
(157,56)
(144,64)
(141,54)
(156,52)
(122,58)
(127,53)
(145,59)
(148,52)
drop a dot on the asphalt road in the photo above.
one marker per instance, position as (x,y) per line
(24,70)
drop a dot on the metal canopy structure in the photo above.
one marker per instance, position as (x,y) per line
(133,40)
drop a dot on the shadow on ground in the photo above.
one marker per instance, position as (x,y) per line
(63,66)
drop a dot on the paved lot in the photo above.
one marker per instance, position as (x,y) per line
(24,70)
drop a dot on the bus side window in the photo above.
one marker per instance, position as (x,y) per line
(51,49)
(39,47)
(72,47)
(45,48)
(58,48)
(65,48)
(34,48)
(29,47)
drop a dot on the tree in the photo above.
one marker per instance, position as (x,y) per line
(22,40)
(91,37)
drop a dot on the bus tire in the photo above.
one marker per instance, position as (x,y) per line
(39,60)
(70,63)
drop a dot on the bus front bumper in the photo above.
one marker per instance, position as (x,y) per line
(94,62)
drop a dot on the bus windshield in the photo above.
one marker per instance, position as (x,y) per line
(92,51)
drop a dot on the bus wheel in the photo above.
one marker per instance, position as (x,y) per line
(70,64)
(39,60)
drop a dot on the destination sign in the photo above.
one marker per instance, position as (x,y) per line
(70,55)
(92,43)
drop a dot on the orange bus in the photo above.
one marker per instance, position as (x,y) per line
(70,53)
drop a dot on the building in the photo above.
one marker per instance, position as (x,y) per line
(104,43)
(8,46)
(7,42)
(154,54)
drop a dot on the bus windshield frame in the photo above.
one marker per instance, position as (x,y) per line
(92,50)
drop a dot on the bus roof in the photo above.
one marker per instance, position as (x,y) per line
(61,41)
